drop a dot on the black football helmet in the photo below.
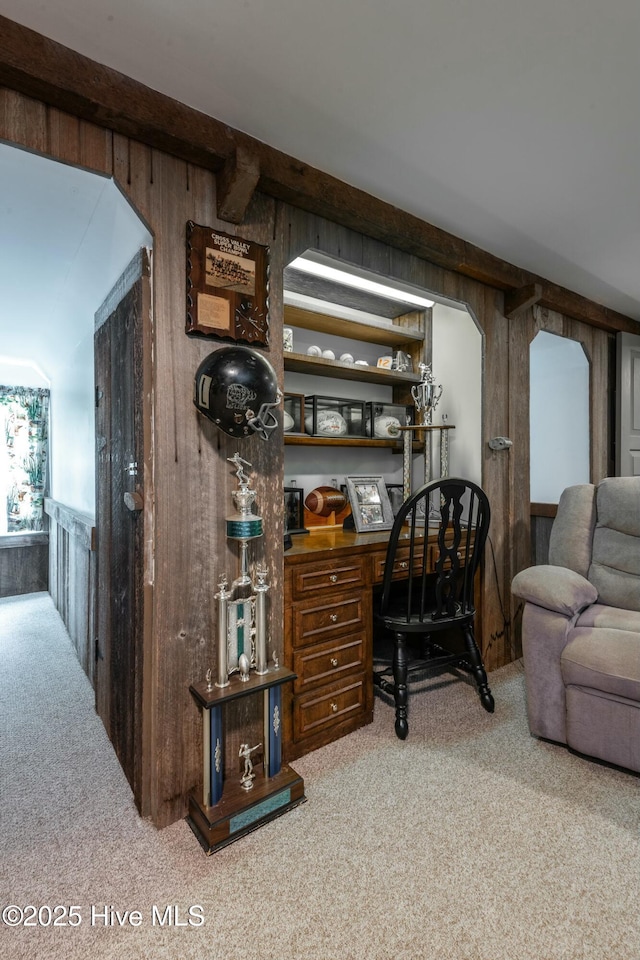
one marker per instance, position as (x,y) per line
(237,389)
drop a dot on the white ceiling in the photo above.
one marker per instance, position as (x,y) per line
(512,124)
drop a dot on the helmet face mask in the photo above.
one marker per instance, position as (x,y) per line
(231,384)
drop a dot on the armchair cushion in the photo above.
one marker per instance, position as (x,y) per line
(615,564)
(604,660)
(571,537)
(555,588)
(599,615)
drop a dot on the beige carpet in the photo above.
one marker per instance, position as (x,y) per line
(470,841)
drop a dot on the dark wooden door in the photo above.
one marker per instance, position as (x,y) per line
(119,516)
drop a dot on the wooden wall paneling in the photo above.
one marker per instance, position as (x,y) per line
(53,552)
(72,573)
(96,148)
(497,636)
(63,136)
(23,120)
(181,595)
(540,534)
(601,401)
(24,569)
(78,142)
(193,481)
(521,332)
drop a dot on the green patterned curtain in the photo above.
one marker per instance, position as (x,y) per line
(24,449)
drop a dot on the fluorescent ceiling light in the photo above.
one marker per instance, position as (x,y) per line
(361,283)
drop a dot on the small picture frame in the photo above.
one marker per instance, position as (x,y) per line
(396,492)
(294,510)
(370,504)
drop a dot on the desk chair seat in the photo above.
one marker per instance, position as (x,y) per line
(433,604)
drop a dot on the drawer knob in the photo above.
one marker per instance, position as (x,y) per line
(403,564)
(334,578)
(333,617)
(334,707)
(334,662)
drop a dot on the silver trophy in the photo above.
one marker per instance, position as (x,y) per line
(426,394)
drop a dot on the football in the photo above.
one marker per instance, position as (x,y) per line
(329,423)
(287,421)
(386,428)
(324,500)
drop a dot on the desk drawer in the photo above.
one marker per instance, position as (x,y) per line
(401,563)
(330,706)
(325,662)
(311,579)
(435,553)
(319,621)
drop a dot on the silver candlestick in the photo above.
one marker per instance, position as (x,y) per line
(222,596)
(262,666)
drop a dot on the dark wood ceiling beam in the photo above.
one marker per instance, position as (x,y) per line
(236,182)
(46,70)
(517,301)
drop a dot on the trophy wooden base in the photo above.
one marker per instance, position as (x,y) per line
(240,811)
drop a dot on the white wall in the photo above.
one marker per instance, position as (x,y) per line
(73,431)
(21,374)
(558,416)
(457,365)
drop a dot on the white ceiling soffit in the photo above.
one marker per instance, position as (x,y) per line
(514,125)
(66,235)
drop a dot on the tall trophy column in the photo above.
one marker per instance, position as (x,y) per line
(229,805)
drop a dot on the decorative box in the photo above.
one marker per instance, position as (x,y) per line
(293,416)
(385,419)
(335,417)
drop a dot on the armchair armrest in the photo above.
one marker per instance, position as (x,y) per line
(554,588)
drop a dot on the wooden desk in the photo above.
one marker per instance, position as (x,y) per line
(328,626)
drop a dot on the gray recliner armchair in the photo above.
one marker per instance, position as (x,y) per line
(581,624)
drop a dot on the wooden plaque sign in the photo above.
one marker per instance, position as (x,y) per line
(227,286)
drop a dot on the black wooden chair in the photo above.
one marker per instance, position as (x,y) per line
(427,592)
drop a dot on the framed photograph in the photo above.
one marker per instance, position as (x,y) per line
(227,290)
(396,496)
(294,510)
(370,504)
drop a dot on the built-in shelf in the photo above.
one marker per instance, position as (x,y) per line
(302,440)
(382,332)
(319,367)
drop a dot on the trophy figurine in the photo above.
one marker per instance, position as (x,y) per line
(248,776)
(426,394)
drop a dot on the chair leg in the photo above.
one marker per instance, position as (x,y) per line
(400,684)
(486,698)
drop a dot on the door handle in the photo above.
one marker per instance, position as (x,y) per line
(133,501)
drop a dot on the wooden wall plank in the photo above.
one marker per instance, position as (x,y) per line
(72,576)
(24,569)
(23,121)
